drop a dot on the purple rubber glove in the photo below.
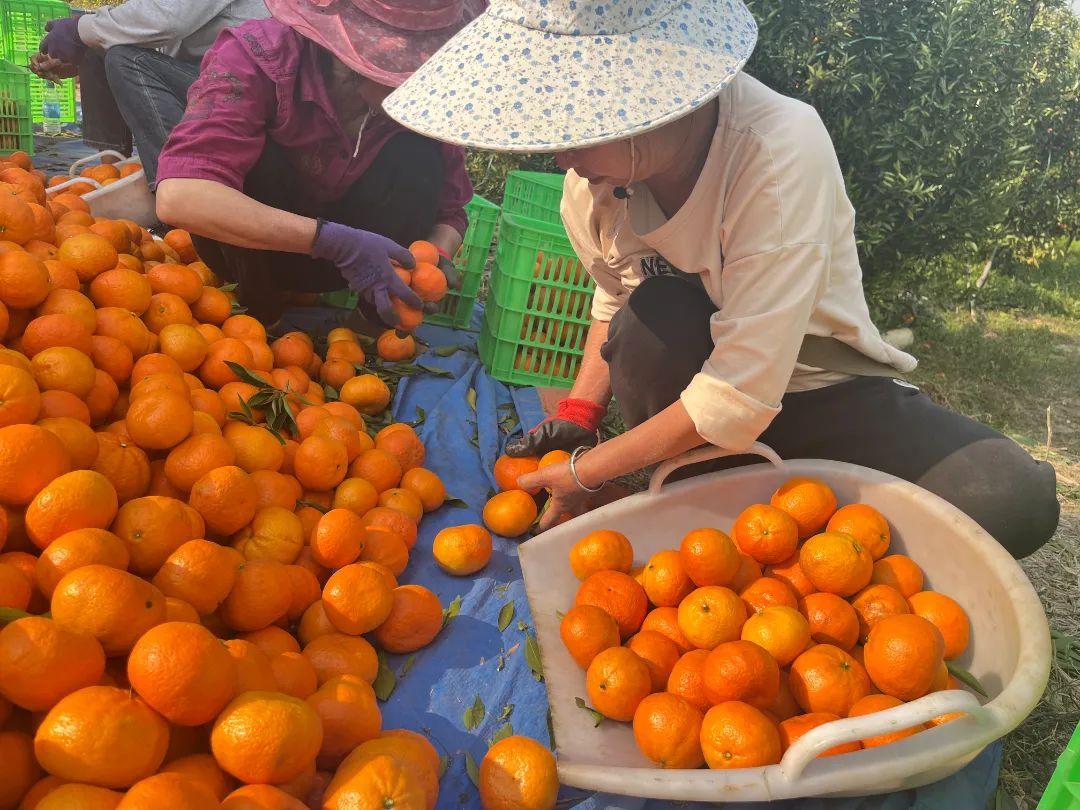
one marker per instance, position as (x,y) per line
(364,261)
(62,40)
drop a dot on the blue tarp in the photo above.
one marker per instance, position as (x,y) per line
(473,663)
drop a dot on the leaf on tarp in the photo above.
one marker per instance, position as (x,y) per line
(228,287)
(506,615)
(491,493)
(966,678)
(475,714)
(596,716)
(502,587)
(532,657)
(472,770)
(245,375)
(313,505)
(407,666)
(507,710)
(457,502)
(503,732)
(385,680)
(470,397)
(421,417)
(443,762)
(434,370)
(446,351)
(501,665)
(451,611)
(475,441)
(522,626)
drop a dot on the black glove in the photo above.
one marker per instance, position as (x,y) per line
(574,425)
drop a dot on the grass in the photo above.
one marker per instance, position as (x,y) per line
(1013,364)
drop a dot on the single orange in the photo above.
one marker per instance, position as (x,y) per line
(903,655)
(832,620)
(809,501)
(873,603)
(947,616)
(836,563)
(665,579)
(866,524)
(667,730)
(827,679)
(711,616)
(780,630)
(736,735)
(709,557)
(766,533)
(617,681)
(586,631)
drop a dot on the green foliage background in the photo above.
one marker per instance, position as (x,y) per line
(957,122)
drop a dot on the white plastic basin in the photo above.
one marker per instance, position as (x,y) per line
(127,198)
(1009,651)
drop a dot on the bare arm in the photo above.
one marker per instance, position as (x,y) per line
(218,212)
(593,380)
(445,237)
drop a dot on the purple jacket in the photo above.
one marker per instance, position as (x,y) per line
(262,80)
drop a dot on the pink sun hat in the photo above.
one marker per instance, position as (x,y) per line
(384,40)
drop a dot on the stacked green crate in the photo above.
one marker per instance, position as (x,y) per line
(22,27)
(16,127)
(537,313)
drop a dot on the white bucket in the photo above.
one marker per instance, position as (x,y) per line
(1009,651)
(127,198)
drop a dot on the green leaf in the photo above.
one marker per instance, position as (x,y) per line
(457,502)
(506,615)
(421,417)
(596,716)
(522,626)
(532,657)
(331,393)
(8,614)
(228,287)
(1066,651)
(502,587)
(1003,801)
(446,351)
(313,505)
(474,441)
(443,762)
(503,732)
(245,375)
(407,666)
(470,397)
(385,681)
(502,664)
(273,432)
(965,678)
(240,417)
(451,611)
(559,615)
(236,309)
(551,730)
(475,714)
(507,710)
(472,770)
(433,370)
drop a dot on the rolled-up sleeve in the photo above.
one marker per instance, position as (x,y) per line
(223,131)
(456,191)
(780,219)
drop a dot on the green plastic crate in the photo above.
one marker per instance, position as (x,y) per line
(536,195)
(22,27)
(538,311)
(1063,791)
(16,128)
(471,259)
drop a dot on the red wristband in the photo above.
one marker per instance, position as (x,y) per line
(582,412)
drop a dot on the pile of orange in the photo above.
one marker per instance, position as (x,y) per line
(727,649)
(191,597)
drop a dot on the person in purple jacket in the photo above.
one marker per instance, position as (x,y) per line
(287,172)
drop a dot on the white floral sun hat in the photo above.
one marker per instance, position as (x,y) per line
(551,75)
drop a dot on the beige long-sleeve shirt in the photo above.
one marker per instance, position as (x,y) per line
(769,230)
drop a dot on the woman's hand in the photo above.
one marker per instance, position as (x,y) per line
(364,261)
(567,498)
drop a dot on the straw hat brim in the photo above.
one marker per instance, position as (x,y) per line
(501,86)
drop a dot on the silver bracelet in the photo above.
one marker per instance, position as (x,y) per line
(573,469)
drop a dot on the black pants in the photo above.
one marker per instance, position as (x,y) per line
(131,93)
(398,197)
(658,341)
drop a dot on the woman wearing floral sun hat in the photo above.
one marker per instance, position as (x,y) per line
(711,212)
(285,169)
